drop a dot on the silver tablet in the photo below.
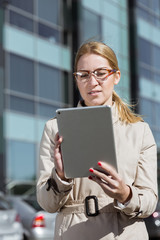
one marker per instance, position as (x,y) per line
(87,138)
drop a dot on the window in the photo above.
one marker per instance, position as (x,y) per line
(157,114)
(156,57)
(21,105)
(49,10)
(91,25)
(21,160)
(155,5)
(156,77)
(21,74)
(21,21)
(26,5)
(144,48)
(145,2)
(145,73)
(50,84)
(51,34)
(46,110)
(146,107)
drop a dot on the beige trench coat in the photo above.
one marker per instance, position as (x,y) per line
(137,164)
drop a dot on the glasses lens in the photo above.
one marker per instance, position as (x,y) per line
(101,73)
(82,76)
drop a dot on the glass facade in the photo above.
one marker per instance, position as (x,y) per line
(148,35)
(37,67)
(148,29)
(110,21)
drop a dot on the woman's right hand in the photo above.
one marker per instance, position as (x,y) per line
(58,157)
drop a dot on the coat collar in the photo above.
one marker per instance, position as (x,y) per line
(115,115)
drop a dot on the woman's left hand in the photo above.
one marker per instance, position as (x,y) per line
(111,182)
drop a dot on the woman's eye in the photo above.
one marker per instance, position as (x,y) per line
(83,75)
(101,73)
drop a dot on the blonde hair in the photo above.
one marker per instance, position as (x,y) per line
(99,48)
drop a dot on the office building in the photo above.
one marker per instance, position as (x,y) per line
(38,42)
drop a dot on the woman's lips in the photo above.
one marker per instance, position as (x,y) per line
(94,92)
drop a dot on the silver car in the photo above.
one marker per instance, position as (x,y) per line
(37,224)
(10,225)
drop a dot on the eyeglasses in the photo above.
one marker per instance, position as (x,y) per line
(101,74)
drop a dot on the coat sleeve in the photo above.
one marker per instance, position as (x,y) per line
(144,189)
(53,198)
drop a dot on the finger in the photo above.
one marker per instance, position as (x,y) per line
(103,177)
(105,185)
(108,169)
(58,141)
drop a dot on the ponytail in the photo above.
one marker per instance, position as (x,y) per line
(125,113)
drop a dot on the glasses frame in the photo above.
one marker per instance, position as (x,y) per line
(111,71)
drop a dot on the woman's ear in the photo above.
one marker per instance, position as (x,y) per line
(117,77)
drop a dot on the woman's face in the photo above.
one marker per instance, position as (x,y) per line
(93,91)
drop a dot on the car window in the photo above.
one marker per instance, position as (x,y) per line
(34,204)
(4,205)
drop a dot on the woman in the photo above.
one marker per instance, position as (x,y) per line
(125,197)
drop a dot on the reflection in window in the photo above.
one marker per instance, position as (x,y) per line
(156,56)
(21,74)
(146,107)
(21,105)
(49,10)
(142,13)
(50,86)
(157,114)
(145,2)
(51,34)
(46,110)
(21,21)
(155,5)
(144,48)
(26,5)
(91,25)
(156,77)
(21,160)
(145,73)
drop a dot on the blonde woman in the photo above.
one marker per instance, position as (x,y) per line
(107,205)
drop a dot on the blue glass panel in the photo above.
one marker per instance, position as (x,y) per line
(89,20)
(23,4)
(21,21)
(21,105)
(21,74)
(47,111)
(146,108)
(51,34)
(50,84)
(21,160)
(49,10)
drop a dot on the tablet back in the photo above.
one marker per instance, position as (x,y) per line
(87,138)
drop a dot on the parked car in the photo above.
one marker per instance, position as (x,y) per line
(10,225)
(153,224)
(20,188)
(37,224)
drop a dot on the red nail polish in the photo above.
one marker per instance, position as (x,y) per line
(100,164)
(90,177)
(91,169)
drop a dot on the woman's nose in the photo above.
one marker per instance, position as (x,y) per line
(93,80)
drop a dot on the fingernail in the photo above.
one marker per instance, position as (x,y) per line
(91,169)
(90,177)
(100,164)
